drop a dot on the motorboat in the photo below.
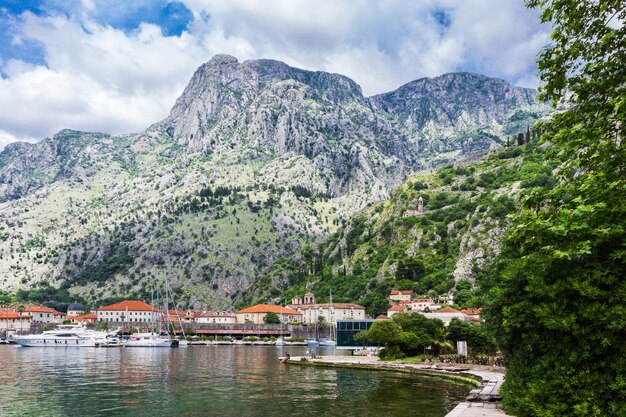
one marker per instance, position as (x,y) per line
(311,342)
(327,343)
(65,335)
(151,340)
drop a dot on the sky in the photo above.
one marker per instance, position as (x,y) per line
(117,66)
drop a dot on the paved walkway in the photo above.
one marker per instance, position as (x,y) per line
(481,402)
(476,410)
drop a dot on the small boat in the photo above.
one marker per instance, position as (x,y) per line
(280,342)
(151,340)
(328,343)
(311,342)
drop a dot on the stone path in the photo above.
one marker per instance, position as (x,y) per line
(476,410)
(480,402)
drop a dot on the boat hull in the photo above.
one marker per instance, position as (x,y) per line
(55,342)
(153,343)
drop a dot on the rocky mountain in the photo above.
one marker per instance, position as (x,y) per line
(436,235)
(255,160)
(456,115)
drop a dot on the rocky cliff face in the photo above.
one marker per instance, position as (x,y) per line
(459,114)
(268,106)
(255,159)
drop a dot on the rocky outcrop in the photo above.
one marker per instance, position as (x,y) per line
(461,112)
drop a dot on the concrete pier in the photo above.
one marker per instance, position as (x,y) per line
(481,401)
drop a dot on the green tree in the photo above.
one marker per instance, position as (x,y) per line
(384,332)
(477,338)
(557,305)
(271,318)
(362,337)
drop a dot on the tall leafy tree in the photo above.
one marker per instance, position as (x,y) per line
(558,304)
(271,318)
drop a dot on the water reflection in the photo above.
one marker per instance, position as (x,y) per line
(205,381)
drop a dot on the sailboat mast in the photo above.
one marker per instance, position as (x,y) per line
(159,310)
(152,315)
(331,313)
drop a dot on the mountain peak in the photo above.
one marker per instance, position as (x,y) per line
(223,88)
(220,59)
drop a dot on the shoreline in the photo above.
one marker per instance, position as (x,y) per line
(481,401)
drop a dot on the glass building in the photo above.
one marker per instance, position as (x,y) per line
(346,329)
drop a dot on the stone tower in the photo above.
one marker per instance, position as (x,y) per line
(309,298)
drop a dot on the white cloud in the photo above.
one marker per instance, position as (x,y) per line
(100,78)
(6,138)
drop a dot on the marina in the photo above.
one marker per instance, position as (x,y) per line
(199,381)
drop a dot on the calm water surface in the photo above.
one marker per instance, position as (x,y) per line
(205,381)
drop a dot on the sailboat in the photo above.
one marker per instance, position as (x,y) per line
(152,338)
(333,336)
(181,342)
(280,341)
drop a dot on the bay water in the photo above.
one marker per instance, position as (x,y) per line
(206,381)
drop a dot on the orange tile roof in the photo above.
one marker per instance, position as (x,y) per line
(13,315)
(423,300)
(397,308)
(403,292)
(269,308)
(382,317)
(42,309)
(472,311)
(130,305)
(448,310)
(85,317)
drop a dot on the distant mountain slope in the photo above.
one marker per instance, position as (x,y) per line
(255,159)
(458,114)
(391,245)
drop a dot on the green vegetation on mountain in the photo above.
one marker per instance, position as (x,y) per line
(557,302)
(391,245)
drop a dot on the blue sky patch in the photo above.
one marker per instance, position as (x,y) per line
(126,15)
(172,17)
(25,50)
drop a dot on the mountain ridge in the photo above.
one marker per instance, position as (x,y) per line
(255,159)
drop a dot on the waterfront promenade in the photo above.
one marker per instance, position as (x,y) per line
(480,402)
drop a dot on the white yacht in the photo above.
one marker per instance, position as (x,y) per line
(151,340)
(67,335)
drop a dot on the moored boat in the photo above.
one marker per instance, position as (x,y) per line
(151,340)
(66,335)
(311,342)
(327,343)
